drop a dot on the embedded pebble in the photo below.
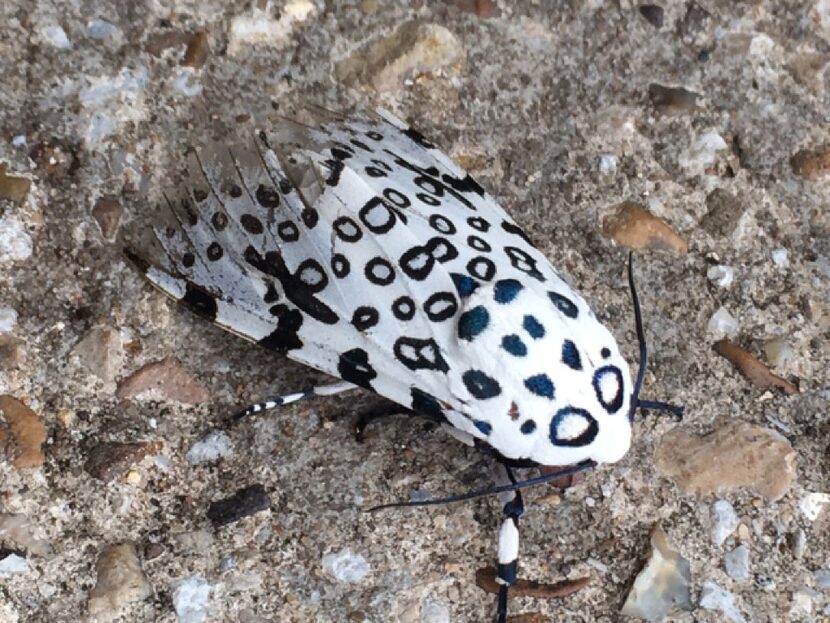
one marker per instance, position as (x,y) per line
(733,456)
(480,8)
(167,377)
(722,323)
(16,530)
(8,319)
(244,502)
(778,352)
(632,226)
(811,164)
(653,14)
(15,242)
(663,584)
(55,36)
(780,258)
(259,28)
(110,460)
(197,50)
(22,435)
(721,276)
(713,597)
(55,158)
(11,352)
(607,164)
(749,366)
(120,581)
(190,599)
(13,188)
(101,29)
(414,48)
(434,612)
(215,445)
(724,211)
(736,563)
(673,100)
(803,603)
(724,521)
(107,213)
(100,352)
(822,578)
(345,566)
(702,152)
(812,504)
(12,564)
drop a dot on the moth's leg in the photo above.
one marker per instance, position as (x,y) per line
(278,401)
(508,552)
(375,413)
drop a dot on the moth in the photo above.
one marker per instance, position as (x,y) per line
(356,247)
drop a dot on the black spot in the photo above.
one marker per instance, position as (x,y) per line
(403,308)
(200,301)
(361,145)
(429,185)
(312,275)
(441,249)
(375,172)
(481,268)
(417,263)
(214,251)
(464,284)
(605,352)
(478,223)
(523,262)
(527,427)
(271,295)
(480,385)
(420,354)
(377,216)
(267,196)
(485,427)
(428,199)
(570,355)
(479,244)
(310,217)
(251,224)
(512,228)
(441,306)
(354,367)
(563,304)
(541,385)
(379,271)
(442,224)
(288,231)
(235,191)
(472,322)
(192,215)
(347,229)
(535,329)
(335,168)
(426,404)
(188,259)
(365,317)
(466,185)
(284,337)
(285,186)
(583,439)
(396,198)
(340,154)
(418,138)
(199,195)
(514,345)
(340,265)
(375,136)
(613,405)
(506,290)
(219,220)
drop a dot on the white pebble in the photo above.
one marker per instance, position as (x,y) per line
(713,597)
(190,599)
(822,578)
(12,565)
(55,36)
(724,521)
(736,563)
(721,276)
(702,152)
(100,29)
(779,258)
(186,82)
(19,140)
(802,605)
(607,164)
(8,319)
(434,612)
(778,351)
(812,504)
(15,241)
(213,446)
(345,566)
(723,323)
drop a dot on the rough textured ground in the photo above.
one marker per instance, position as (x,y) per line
(549,105)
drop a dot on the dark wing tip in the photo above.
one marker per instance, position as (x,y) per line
(137,260)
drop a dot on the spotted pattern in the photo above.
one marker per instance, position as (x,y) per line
(570,355)
(608,386)
(480,385)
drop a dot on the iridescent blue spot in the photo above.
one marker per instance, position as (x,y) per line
(541,385)
(506,290)
(533,327)
(464,284)
(563,304)
(513,344)
(480,385)
(473,322)
(484,427)
(528,427)
(570,355)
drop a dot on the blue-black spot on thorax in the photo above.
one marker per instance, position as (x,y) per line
(514,345)
(506,290)
(541,385)
(570,355)
(472,322)
(533,327)
(480,385)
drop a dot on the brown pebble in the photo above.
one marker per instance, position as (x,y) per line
(486,580)
(120,581)
(197,50)
(653,14)
(733,456)
(11,352)
(12,187)
(57,160)
(480,8)
(169,378)
(153,551)
(158,42)
(22,435)
(749,366)
(632,226)
(723,214)
(528,617)
(100,352)
(110,460)
(673,100)
(107,213)
(811,164)
(563,482)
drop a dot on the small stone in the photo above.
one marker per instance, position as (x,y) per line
(100,352)
(811,504)
(345,566)
(607,164)
(811,164)
(743,533)
(8,319)
(713,597)
(734,455)
(110,460)
(194,541)
(120,581)
(101,29)
(190,599)
(798,543)
(702,153)
(167,377)
(12,187)
(11,352)
(778,352)
(415,48)
(58,160)
(16,530)
(197,50)
(259,28)
(673,100)
(22,435)
(724,521)
(55,35)
(632,226)
(803,603)
(749,366)
(15,242)
(822,578)
(12,564)
(107,213)
(159,42)
(722,323)
(369,7)
(721,276)
(724,212)
(662,585)
(433,611)
(244,502)
(215,445)
(736,563)
(779,258)
(480,8)
(653,14)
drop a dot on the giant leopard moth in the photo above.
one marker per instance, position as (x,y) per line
(356,247)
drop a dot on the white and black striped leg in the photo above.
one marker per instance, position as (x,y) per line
(508,560)
(278,401)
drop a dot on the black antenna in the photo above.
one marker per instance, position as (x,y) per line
(641,338)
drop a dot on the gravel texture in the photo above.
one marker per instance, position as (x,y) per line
(711,116)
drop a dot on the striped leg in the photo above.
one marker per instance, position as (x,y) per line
(508,560)
(278,401)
